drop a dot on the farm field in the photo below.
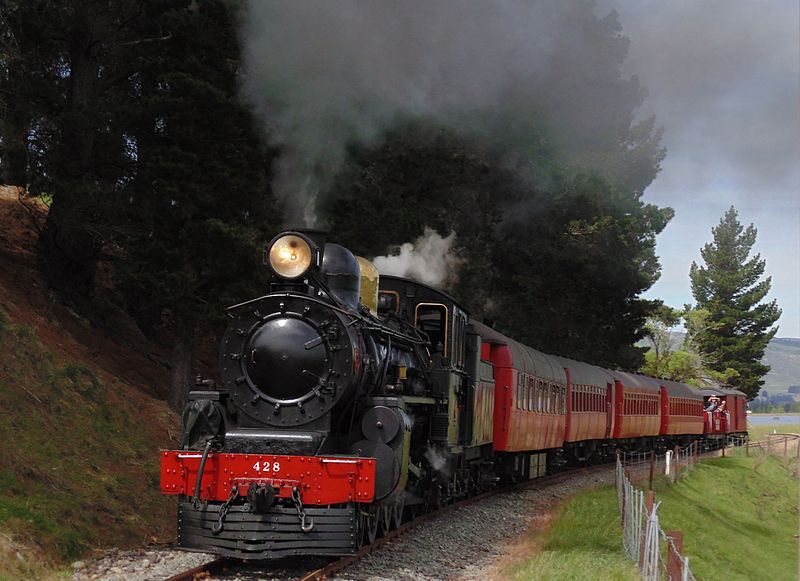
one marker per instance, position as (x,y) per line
(759,432)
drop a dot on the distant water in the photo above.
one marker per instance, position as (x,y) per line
(761,419)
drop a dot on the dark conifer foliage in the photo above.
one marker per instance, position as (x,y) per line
(199,205)
(556,258)
(67,67)
(125,114)
(573,270)
(423,175)
(731,289)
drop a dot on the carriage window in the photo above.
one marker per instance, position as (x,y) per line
(529,390)
(546,397)
(531,394)
(432,319)
(540,387)
(526,397)
(520,383)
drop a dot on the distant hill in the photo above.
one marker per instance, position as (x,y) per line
(782,355)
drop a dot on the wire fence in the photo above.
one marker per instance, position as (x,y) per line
(657,552)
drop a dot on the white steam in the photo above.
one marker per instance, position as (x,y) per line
(430,259)
(438,461)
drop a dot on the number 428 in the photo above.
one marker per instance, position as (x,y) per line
(265,467)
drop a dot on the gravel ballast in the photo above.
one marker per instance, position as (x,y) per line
(462,543)
(143,565)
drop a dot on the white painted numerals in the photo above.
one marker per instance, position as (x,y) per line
(265,467)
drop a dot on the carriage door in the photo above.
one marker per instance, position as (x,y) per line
(609,409)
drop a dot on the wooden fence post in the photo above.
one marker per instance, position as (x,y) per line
(652,465)
(674,558)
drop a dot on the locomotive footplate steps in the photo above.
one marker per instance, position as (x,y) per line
(319,480)
(269,535)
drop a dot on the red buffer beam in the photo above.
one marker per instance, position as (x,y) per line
(320,480)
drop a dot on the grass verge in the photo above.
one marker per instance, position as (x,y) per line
(739,517)
(79,461)
(584,543)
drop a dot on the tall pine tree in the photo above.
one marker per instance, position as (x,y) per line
(730,287)
(200,207)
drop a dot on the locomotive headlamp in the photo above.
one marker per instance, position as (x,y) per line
(290,256)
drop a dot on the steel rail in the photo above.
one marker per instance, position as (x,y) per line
(338,566)
(321,573)
(202,571)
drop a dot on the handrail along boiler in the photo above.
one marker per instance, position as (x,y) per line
(350,401)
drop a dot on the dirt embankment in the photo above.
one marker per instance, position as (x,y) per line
(82,417)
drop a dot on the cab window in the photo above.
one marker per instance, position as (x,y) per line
(432,320)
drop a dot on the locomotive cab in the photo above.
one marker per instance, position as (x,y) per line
(453,434)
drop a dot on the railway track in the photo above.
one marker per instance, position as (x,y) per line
(227,566)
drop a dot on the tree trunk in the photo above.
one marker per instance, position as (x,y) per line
(68,253)
(69,245)
(14,153)
(182,379)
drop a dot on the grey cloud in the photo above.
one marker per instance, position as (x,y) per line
(724,80)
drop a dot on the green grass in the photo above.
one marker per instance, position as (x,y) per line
(739,517)
(79,461)
(585,542)
(759,432)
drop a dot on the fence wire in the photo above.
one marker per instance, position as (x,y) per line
(655,552)
(643,539)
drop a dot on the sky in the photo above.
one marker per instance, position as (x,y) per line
(723,78)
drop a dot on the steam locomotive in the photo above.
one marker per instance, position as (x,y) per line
(351,401)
